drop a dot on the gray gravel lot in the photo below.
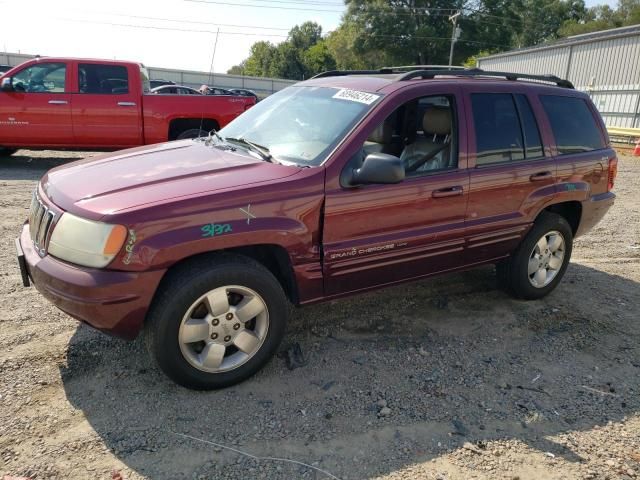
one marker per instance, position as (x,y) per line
(446,378)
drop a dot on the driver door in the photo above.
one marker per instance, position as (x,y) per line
(376,235)
(38,110)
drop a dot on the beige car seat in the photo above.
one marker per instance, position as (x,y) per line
(430,152)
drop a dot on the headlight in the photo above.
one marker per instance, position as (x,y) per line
(85,242)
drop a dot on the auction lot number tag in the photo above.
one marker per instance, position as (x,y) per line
(356,96)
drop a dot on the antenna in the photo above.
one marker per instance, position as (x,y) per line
(213,57)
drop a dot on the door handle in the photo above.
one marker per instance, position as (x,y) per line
(537,177)
(126,104)
(58,102)
(447,192)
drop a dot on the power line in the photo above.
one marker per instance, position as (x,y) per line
(175,29)
(368,8)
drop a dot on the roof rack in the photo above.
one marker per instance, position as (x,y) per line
(342,73)
(385,70)
(477,72)
(431,71)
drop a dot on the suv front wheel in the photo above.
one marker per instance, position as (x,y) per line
(216,322)
(539,263)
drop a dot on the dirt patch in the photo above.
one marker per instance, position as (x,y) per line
(446,378)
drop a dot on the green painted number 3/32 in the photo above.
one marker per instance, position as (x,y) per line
(214,229)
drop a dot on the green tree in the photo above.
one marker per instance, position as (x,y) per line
(258,64)
(318,58)
(603,17)
(305,36)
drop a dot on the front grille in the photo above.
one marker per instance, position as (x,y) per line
(40,224)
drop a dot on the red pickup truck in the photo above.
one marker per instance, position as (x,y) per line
(78,103)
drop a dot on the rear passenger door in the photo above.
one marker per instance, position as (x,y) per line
(511,174)
(105,108)
(580,145)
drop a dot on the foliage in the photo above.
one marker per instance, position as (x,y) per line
(377,33)
(603,17)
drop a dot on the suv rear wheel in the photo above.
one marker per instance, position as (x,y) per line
(539,263)
(214,323)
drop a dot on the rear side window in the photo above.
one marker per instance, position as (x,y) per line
(530,132)
(572,123)
(103,79)
(506,129)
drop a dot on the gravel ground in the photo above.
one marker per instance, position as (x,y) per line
(442,379)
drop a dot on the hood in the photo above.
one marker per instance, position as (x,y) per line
(109,183)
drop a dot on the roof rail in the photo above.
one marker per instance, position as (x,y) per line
(425,67)
(477,72)
(342,73)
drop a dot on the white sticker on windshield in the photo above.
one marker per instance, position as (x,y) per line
(356,96)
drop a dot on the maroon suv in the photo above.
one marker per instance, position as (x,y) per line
(344,183)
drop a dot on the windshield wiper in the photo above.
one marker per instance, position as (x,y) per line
(259,149)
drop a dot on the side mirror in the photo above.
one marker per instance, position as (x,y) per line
(7,84)
(379,168)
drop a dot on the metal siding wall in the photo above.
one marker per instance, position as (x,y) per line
(195,79)
(612,64)
(607,69)
(553,61)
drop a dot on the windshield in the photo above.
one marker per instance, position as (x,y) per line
(301,124)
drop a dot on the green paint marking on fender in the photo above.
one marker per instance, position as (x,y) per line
(215,229)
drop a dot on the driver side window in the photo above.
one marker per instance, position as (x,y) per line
(41,78)
(422,133)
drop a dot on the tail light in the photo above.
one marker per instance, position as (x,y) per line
(613,171)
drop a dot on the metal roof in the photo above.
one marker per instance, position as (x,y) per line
(574,40)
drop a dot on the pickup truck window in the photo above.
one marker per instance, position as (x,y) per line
(572,123)
(102,79)
(144,79)
(302,124)
(41,78)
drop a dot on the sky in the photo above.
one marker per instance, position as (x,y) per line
(177,34)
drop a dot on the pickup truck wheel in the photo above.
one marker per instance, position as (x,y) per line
(192,133)
(214,324)
(8,151)
(539,263)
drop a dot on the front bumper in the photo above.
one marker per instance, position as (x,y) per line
(111,301)
(593,210)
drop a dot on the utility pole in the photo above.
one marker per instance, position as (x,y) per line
(455,33)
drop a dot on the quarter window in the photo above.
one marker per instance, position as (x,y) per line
(41,78)
(103,79)
(532,142)
(572,123)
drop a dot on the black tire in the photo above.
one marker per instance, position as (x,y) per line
(192,133)
(513,274)
(184,286)
(7,151)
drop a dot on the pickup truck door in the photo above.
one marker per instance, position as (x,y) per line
(106,105)
(38,110)
(512,175)
(377,235)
